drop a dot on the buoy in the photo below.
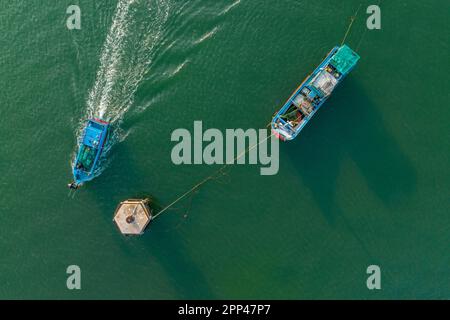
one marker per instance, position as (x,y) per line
(132,216)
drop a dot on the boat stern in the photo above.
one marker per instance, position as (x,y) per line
(80,176)
(281,131)
(91,146)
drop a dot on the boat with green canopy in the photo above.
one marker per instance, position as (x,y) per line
(313,92)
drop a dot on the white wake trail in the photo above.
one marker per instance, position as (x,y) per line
(126,56)
(230,7)
(110,59)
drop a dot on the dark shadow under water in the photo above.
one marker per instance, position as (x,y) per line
(350,127)
(166,247)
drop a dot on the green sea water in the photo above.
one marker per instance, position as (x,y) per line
(366,182)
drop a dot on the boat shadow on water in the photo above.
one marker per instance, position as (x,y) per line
(161,241)
(349,126)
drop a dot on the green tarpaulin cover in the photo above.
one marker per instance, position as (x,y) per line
(344,59)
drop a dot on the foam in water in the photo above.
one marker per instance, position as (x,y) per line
(125,57)
(133,40)
(231,6)
(206,36)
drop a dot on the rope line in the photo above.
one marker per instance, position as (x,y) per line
(210,177)
(205,180)
(365,31)
(352,19)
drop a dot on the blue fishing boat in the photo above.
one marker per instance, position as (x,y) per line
(91,146)
(313,92)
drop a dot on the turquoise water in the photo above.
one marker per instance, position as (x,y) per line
(366,182)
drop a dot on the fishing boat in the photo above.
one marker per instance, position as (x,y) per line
(313,92)
(95,136)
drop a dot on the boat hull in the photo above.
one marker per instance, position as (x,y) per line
(314,96)
(90,149)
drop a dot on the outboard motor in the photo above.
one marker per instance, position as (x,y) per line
(73,185)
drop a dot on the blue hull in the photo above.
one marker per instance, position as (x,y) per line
(92,145)
(313,92)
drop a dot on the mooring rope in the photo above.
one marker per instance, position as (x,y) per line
(352,19)
(365,31)
(210,177)
(198,185)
